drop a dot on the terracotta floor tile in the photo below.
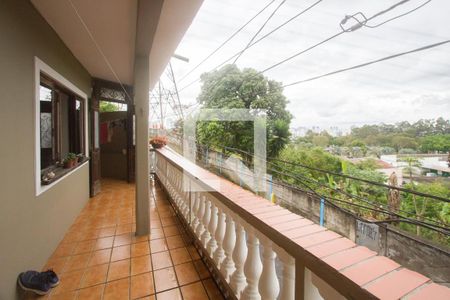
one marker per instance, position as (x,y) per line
(122,252)
(124,228)
(108,231)
(186,273)
(158,245)
(156,233)
(84,247)
(175,242)
(119,269)
(201,269)
(193,252)
(173,294)
(212,290)
(142,285)
(161,260)
(140,264)
(64,249)
(68,282)
(100,257)
(141,238)
(57,264)
(194,291)
(77,262)
(118,289)
(171,230)
(64,296)
(123,239)
(94,275)
(140,249)
(91,293)
(180,255)
(165,279)
(104,243)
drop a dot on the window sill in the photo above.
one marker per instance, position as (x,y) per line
(60,174)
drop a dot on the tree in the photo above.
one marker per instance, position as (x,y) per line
(108,106)
(412,164)
(231,88)
(432,143)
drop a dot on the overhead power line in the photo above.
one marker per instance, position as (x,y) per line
(369,63)
(259,30)
(355,27)
(258,40)
(227,40)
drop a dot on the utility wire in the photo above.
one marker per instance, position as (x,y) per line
(301,180)
(399,16)
(355,27)
(226,41)
(259,30)
(369,63)
(257,41)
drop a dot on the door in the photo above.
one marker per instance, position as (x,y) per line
(94,171)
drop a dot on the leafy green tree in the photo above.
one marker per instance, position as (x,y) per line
(231,88)
(106,106)
(432,143)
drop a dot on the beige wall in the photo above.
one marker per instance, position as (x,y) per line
(30,227)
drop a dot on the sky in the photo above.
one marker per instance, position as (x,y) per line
(407,88)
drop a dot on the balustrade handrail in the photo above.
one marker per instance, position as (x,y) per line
(233,198)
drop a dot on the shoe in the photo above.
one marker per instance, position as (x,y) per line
(34,281)
(52,278)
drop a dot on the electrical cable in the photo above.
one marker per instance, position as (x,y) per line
(258,40)
(226,41)
(369,63)
(381,210)
(259,30)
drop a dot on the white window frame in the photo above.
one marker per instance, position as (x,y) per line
(41,67)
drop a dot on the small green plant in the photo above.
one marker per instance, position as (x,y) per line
(71,160)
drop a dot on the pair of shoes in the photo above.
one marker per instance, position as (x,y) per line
(38,282)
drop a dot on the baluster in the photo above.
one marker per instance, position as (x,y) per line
(252,268)
(238,282)
(219,254)
(227,267)
(195,208)
(269,286)
(206,218)
(288,287)
(201,212)
(212,244)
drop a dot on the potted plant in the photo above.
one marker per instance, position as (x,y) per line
(70,161)
(158,141)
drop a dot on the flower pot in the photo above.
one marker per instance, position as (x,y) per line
(157,146)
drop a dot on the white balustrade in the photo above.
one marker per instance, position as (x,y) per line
(206,218)
(252,268)
(212,244)
(195,208)
(269,286)
(288,284)
(227,266)
(219,254)
(201,211)
(237,281)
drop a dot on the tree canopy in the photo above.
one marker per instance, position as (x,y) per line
(232,88)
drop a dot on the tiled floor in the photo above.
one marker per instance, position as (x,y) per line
(100,258)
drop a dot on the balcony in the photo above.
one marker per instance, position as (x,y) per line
(258,250)
(216,241)
(101,258)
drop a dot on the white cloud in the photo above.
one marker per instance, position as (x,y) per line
(407,88)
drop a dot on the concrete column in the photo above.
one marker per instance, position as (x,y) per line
(141,101)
